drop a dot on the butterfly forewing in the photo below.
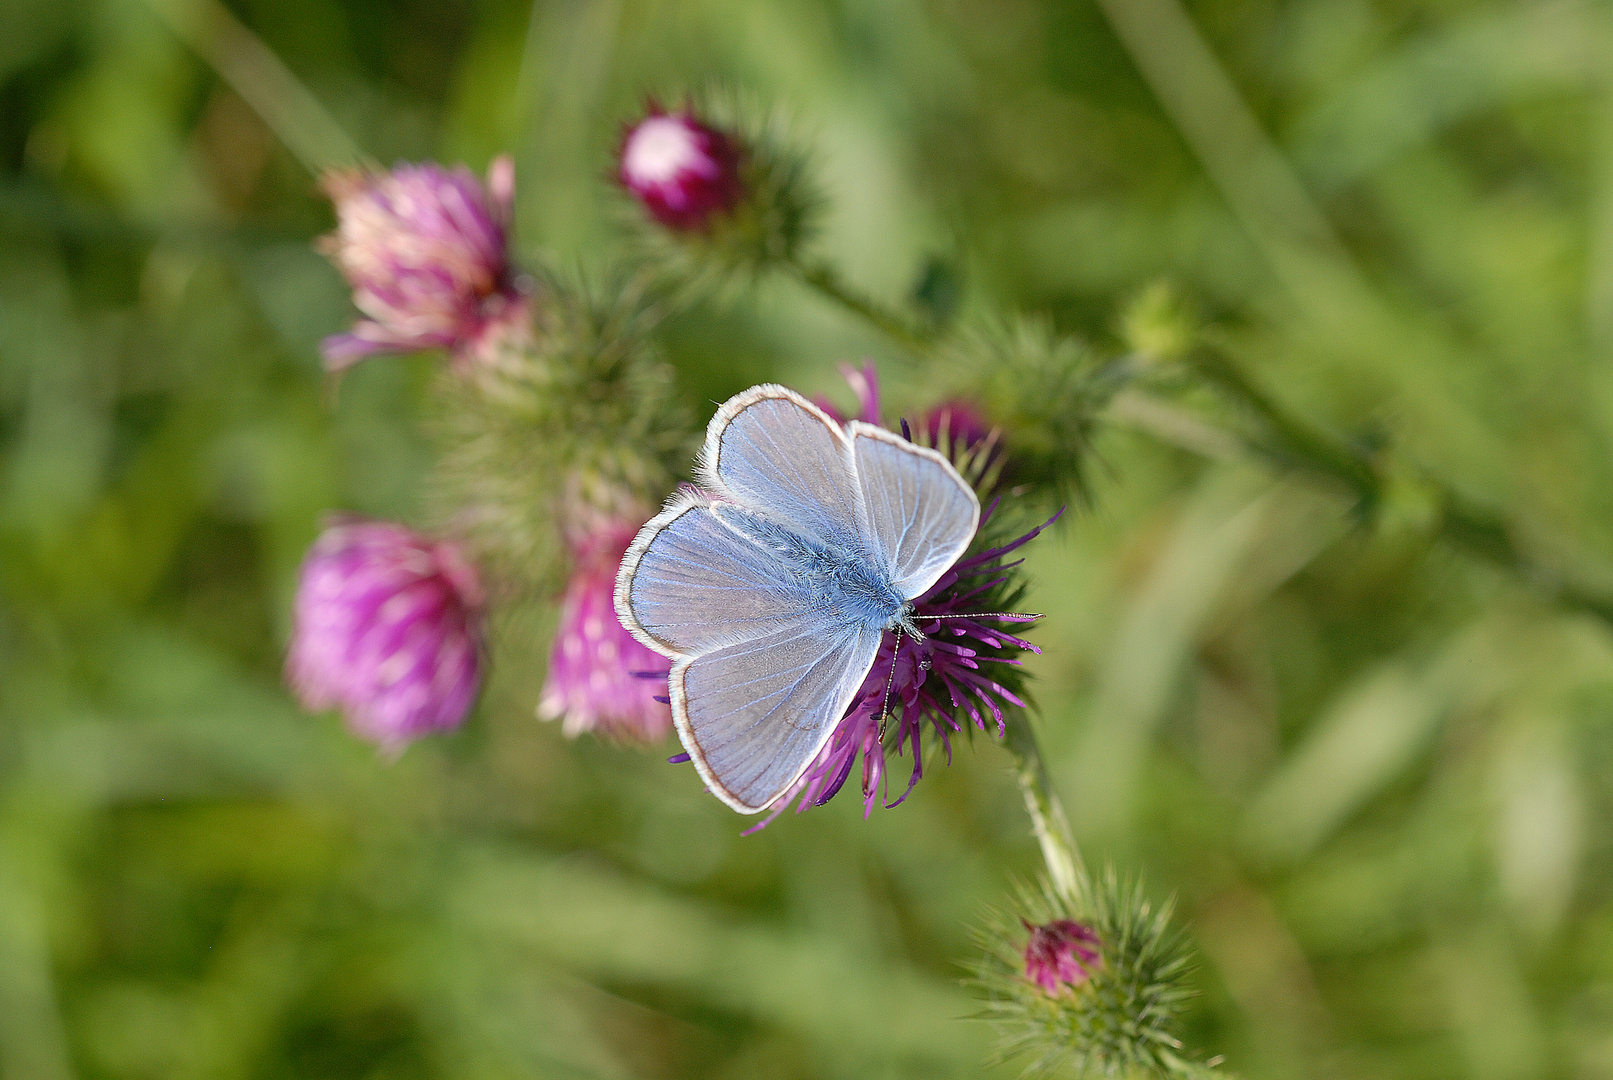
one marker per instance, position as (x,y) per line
(775,452)
(754,715)
(690,584)
(921,514)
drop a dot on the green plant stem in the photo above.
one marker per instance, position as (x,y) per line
(1064,867)
(1475,529)
(822,278)
(1296,443)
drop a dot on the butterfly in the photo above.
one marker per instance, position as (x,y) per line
(771,587)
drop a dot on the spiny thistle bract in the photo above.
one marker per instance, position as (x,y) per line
(1122,1017)
(1046,390)
(580,424)
(768,226)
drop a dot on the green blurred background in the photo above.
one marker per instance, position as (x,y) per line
(1375,774)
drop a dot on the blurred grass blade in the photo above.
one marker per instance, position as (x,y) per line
(1241,159)
(1438,78)
(1155,636)
(1371,733)
(1207,551)
(1496,1023)
(242,59)
(33,1044)
(1540,821)
(617,931)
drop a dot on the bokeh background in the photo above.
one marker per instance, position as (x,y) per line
(1374,773)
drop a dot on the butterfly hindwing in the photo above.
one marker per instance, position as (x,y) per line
(920,514)
(754,715)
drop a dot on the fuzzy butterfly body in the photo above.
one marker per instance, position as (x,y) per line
(771,588)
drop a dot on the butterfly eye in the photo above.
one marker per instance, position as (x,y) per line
(924,665)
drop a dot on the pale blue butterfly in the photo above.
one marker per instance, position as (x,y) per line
(771,588)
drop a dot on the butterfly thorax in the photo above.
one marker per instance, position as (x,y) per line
(845,578)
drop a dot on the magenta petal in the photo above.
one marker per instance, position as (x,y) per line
(600,677)
(1060,953)
(424,249)
(680,170)
(386,628)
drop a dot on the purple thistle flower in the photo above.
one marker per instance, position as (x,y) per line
(1060,953)
(600,677)
(974,445)
(936,682)
(425,250)
(387,625)
(682,171)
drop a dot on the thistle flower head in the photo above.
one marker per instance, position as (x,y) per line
(1094,981)
(962,674)
(1046,388)
(541,446)
(386,629)
(600,678)
(425,251)
(682,171)
(954,422)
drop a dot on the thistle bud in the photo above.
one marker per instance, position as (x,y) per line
(682,171)
(726,188)
(425,249)
(386,629)
(1093,981)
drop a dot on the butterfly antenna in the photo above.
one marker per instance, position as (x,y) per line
(890,680)
(987,615)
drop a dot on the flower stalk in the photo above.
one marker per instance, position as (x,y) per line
(1065,869)
(1478,530)
(822,278)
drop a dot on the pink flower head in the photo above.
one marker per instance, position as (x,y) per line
(936,680)
(425,250)
(1061,953)
(386,629)
(681,170)
(600,677)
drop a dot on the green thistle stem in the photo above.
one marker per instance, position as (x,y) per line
(1295,442)
(1064,867)
(822,278)
(1475,529)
